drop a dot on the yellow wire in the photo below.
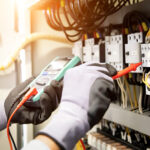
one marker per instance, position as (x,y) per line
(145,81)
(31,38)
(127,131)
(135,97)
(79,146)
(129,92)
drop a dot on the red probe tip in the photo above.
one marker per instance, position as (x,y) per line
(132,67)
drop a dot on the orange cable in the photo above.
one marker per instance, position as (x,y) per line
(31,92)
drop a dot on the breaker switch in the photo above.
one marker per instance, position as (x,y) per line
(127,53)
(143,55)
(109,53)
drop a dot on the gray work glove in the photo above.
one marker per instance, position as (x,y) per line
(29,113)
(88,90)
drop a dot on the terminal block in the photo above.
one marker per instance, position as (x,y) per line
(133,50)
(145,50)
(114,51)
(89,42)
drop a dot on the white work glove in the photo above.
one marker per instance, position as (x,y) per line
(87,92)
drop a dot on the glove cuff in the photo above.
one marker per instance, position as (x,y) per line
(3,117)
(67,125)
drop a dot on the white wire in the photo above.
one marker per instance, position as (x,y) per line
(123,93)
(140,100)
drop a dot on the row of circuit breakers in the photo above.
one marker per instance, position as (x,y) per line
(112,51)
(117,50)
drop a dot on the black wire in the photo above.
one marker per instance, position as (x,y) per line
(49,21)
(12,139)
(81,16)
(135,18)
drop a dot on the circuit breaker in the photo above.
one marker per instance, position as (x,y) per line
(145,50)
(87,53)
(91,51)
(96,53)
(114,51)
(133,50)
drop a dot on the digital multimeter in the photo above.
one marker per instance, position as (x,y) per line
(55,70)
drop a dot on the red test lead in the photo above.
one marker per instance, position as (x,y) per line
(31,92)
(132,67)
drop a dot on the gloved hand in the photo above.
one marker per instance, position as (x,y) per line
(31,114)
(88,90)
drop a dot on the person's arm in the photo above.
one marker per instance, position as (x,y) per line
(48,141)
(3,118)
(88,90)
(42,142)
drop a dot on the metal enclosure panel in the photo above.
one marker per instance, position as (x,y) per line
(127,118)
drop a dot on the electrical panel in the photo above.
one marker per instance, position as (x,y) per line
(120,49)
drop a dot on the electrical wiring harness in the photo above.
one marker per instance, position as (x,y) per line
(76,17)
(135,21)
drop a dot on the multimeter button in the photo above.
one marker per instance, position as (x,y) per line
(42,81)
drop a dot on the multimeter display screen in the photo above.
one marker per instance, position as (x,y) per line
(56,65)
(59,64)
